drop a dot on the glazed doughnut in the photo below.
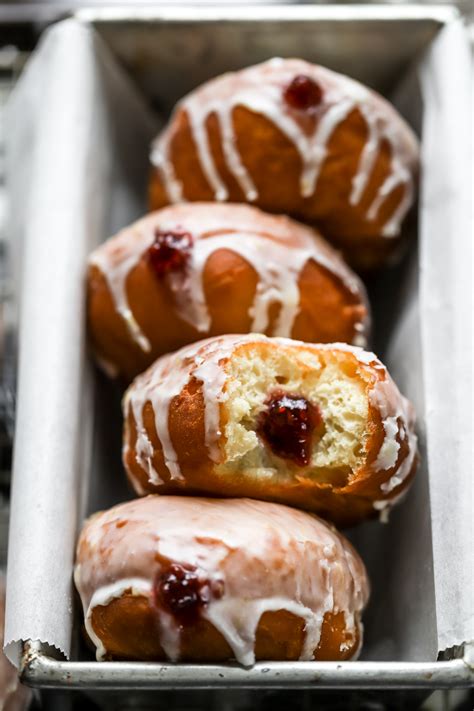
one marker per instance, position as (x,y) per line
(203,580)
(203,269)
(295,138)
(321,427)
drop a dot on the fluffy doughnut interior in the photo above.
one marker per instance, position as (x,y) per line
(330,383)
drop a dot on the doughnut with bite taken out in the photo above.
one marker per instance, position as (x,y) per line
(322,427)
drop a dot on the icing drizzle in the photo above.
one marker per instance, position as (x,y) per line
(263,557)
(398,419)
(260,89)
(164,381)
(278,255)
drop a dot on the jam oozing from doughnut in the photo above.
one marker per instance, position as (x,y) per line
(169,252)
(303,93)
(181,592)
(289,425)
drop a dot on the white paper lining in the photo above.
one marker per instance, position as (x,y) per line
(446,301)
(76,146)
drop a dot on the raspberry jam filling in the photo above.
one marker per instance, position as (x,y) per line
(182,592)
(303,93)
(169,252)
(289,425)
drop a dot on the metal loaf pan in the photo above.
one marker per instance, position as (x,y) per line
(377,45)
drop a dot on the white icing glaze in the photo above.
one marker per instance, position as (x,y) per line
(233,156)
(237,620)
(275,247)
(278,267)
(264,557)
(260,89)
(116,279)
(363,356)
(360,338)
(169,636)
(160,158)
(199,132)
(368,157)
(103,596)
(109,368)
(388,454)
(164,381)
(213,378)
(399,176)
(384,511)
(144,448)
(399,424)
(384,506)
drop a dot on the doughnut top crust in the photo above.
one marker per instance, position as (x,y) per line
(164,281)
(288,121)
(193,421)
(252,557)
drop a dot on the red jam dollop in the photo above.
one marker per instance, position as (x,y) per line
(169,252)
(303,93)
(289,425)
(182,592)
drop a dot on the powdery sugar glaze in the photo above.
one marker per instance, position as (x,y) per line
(261,89)
(262,556)
(277,249)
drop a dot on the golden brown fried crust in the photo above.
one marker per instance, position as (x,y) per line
(275,167)
(344,504)
(127,627)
